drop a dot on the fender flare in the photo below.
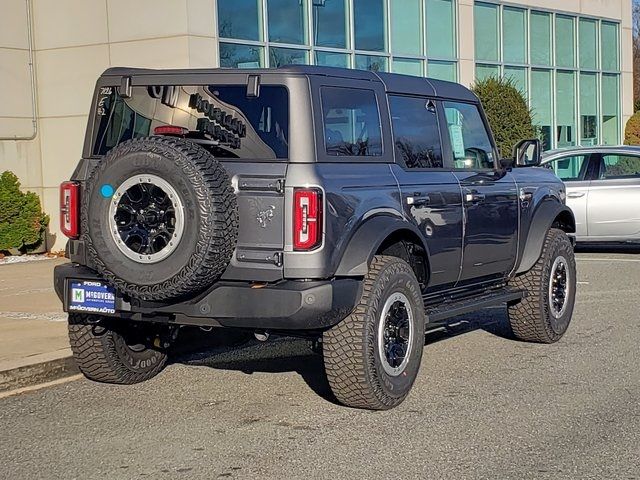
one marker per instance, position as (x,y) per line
(543,218)
(365,242)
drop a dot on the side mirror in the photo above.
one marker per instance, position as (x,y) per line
(528,153)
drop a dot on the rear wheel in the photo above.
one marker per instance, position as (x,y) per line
(109,355)
(544,315)
(373,356)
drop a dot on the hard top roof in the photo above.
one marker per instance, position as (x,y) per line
(393,82)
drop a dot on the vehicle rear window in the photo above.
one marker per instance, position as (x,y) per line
(222,118)
(351,122)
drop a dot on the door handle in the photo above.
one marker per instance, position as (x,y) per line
(576,194)
(417,200)
(474,197)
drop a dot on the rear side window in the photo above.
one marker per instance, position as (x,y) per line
(351,122)
(416,132)
(571,169)
(221,118)
(619,166)
(470,143)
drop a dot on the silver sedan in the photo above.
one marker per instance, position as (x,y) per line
(603,190)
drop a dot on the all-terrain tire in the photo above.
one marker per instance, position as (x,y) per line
(104,354)
(532,319)
(210,232)
(351,349)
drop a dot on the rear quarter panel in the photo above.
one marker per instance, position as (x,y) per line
(353,193)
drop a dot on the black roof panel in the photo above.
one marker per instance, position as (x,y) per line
(394,83)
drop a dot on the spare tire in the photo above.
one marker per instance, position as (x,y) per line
(159,218)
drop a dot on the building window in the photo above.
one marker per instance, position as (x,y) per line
(279,57)
(588,44)
(541,32)
(514,26)
(565,42)
(408,36)
(372,62)
(487,32)
(233,55)
(518,75)
(567,66)
(441,70)
(589,108)
(239,19)
(330,22)
(541,104)
(332,59)
(369,24)
(441,29)
(565,109)
(407,66)
(610,109)
(286,21)
(406,27)
(610,50)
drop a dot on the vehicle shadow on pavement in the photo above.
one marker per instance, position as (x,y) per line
(239,351)
(245,354)
(608,248)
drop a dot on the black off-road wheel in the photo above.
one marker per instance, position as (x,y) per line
(550,286)
(109,355)
(159,218)
(373,356)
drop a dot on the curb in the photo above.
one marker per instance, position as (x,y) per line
(38,369)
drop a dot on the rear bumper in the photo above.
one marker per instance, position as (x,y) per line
(288,305)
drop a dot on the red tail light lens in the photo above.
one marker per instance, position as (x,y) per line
(70,209)
(170,130)
(307,219)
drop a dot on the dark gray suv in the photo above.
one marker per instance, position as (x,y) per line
(356,209)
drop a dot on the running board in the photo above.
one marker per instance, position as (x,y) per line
(452,308)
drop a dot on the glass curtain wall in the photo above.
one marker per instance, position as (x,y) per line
(567,66)
(414,37)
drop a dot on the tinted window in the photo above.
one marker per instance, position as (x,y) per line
(415,131)
(221,118)
(351,122)
(570,168)
(470,141)
(620,166)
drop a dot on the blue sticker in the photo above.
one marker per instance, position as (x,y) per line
(107,191)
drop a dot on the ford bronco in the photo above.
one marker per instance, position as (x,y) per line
(353,208)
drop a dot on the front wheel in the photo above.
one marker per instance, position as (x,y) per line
(373,356)
(107,354)
(544,315)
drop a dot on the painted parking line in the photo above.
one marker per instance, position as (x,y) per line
(588,259)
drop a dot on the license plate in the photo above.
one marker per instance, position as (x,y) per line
(92,297)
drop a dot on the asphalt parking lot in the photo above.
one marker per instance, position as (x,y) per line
(484,406)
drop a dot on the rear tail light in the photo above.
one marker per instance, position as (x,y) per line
(307,218)
(70,209)
(170,130)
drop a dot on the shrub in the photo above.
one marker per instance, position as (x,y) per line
(507,111)
(22,223)
(632,132)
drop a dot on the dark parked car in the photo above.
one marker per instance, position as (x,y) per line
(353,208)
